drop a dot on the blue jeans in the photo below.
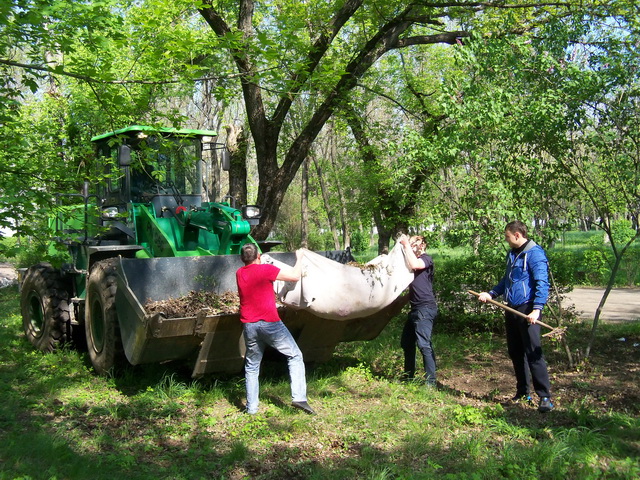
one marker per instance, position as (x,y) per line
(417,331)
(257,337)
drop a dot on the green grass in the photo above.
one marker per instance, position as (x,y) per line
(578,238)
(58,420)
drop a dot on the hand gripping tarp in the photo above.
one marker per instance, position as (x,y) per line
(340,292)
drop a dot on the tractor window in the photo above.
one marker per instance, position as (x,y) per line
(112,175)
(162,166)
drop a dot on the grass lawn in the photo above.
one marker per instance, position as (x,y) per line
(58,420)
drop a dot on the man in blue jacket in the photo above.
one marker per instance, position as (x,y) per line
(525,287)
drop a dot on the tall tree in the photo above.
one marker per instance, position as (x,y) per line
(561,124)
(110,66)
(324,49)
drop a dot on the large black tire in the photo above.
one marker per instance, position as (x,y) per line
(104,343)
(45,307)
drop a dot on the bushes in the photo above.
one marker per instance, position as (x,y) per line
(562,264)
(590,262)
(23,253)
(458,310)
(359,241)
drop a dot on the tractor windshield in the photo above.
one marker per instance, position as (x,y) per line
(165,166)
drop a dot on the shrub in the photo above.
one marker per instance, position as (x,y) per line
(458,310)
(359,241)
(562,264)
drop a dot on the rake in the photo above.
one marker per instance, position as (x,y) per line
(556,333)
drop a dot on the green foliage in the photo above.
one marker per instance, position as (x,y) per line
(359,241)
(470,415)
(595,265)
(562,265)
(289,226)
(327,241)
(623,232)
(464,136)
(27,252)
(585,258)
(459,311)
(9,248)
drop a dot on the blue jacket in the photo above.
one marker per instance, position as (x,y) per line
(526,279)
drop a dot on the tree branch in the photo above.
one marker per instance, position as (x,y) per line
(315,54)
(89,79)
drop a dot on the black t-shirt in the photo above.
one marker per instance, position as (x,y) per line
(421,289)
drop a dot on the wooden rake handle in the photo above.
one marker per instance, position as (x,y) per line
(509,309)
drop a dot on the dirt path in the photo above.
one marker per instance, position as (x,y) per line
(8,275)
(622,305)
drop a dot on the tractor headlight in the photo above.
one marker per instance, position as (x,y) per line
(110,212)
(252,213)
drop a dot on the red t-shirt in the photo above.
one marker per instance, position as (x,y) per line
(255,288)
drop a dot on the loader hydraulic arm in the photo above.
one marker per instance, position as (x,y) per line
(225,222)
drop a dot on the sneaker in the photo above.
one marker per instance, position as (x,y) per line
(521,397)
(545,405)
(305,407)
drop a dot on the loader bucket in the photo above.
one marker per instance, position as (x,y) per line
(215,341)
(151,338)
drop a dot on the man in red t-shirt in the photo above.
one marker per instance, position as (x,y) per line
(262,325)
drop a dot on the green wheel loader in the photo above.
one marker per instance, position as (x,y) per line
(145,234)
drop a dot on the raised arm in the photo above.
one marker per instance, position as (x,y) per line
(414,262)
(292,274)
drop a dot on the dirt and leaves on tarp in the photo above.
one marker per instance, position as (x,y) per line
(190,304)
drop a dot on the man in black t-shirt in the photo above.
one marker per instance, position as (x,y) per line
(419,325)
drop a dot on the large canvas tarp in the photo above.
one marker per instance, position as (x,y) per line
(340,292)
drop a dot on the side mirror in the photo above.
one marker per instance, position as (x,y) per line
(225,159)
(124,155)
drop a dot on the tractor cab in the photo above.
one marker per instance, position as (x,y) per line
(156,175)
(157,166)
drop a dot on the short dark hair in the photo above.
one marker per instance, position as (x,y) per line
(517,226)
(249,253)
(418,240)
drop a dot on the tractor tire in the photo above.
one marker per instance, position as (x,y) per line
(102,329)
(45,307)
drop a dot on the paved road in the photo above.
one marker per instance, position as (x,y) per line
(622,305)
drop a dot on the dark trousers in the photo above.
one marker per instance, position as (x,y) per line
(525,350)
(417,331)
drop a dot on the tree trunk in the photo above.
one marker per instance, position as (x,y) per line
(238,145)
(304,224)
(558,315)
(384,235)
(610,283)
(390,218)
(327,204)
(344,214)
(266,131)
(596,319)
